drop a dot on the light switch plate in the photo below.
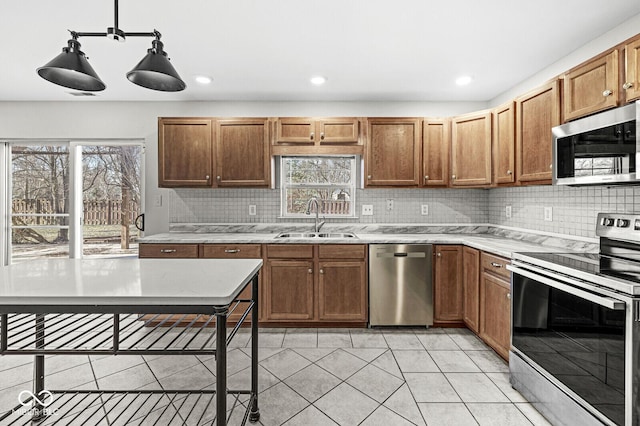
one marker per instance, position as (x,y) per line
(424,209)
(252,209)
(507,211)
(548,214)
(157,201)
(367,210)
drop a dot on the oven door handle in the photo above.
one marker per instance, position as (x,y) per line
(607,302)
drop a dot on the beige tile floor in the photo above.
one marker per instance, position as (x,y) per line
(314,377)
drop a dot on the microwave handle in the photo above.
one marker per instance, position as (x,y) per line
(607,302)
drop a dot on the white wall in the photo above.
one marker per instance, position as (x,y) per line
(622,32)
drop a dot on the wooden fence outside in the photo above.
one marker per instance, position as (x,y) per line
(105,212)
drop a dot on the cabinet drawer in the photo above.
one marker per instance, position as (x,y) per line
(290,251)
(495,264)
(168,251)
(230,251)
(341,251)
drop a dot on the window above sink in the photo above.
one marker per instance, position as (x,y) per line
(330,179)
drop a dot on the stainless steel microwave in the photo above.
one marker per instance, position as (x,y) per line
(601,149)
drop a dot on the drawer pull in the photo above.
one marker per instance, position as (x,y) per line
(311,136)
(509,172)
(322,135)
(496,265)
(627,86)
(509,296)
(232,251)
(168,250)
(322,271)
(310,271)
(607,93)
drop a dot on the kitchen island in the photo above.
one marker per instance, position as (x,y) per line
(124,306)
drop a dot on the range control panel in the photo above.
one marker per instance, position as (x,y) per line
(619,226)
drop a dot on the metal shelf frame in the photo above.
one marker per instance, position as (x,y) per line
(125,330)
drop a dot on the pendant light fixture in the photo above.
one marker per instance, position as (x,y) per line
(71,68)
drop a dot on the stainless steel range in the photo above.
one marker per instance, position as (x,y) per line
(575,345)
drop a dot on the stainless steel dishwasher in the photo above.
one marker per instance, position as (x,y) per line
(400,284)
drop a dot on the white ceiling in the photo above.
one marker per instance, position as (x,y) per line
(369,50)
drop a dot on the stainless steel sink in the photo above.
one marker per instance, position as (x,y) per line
(316,235)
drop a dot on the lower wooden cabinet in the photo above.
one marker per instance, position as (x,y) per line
(316,283)
(495,304)
(448,284)
(471,288)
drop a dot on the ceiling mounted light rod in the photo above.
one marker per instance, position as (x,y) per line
(71,67)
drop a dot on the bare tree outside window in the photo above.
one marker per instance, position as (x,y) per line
(329,179)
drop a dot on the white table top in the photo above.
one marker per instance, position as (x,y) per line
(126,281)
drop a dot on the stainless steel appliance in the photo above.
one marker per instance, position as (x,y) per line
(400,284)
(575,342)
(599,149)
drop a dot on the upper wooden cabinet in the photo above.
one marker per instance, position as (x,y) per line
(436,137)
(242,152)
(393,152)
(317,131)
(631,85)
(471,149)
(207,152)
(185,152)
(504,144)
(536,113)
(592,86)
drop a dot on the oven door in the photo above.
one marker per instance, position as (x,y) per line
(576,336)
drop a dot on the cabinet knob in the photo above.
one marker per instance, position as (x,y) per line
(607,93)
(627,86)
(232,251)
(369,177)
(207,177)
(550,166)
(217,177)
(310,271)
(509,172)
(509,296)
(322,271)
(453,177)
(322,136)
(311,136)
(439,255)
(426,177)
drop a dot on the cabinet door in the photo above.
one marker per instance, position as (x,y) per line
(295,131)
(504,144)
(495,313)
(393,152)
(448,284)
(289,290)
(185,152)
(237,251)
(471,149)
(591,87)
(536,113)
(435,151)
(471,288)
(631,86)
(338,131)
(242,152)
(342,291)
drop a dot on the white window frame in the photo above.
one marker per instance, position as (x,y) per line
(284,185)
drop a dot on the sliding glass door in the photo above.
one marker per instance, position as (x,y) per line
(71,199)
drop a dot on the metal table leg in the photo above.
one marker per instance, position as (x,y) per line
(255,411)
(221,364)
(38,371)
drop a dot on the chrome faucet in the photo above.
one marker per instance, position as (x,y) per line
(314,200)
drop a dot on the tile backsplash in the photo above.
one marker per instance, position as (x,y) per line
(574,210)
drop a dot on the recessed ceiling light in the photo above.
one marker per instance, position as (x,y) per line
(463,80)
(203,79)
(318,80)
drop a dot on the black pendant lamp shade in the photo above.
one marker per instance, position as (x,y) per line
(155,71)
(71,69)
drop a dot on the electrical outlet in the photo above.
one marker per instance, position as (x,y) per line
(548,214)
(390,204)
(424,209)
(367,210)
(507,211)
(157,201)
(252,209)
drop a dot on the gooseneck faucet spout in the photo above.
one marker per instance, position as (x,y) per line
(314,200)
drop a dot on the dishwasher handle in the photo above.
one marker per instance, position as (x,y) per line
(402,254)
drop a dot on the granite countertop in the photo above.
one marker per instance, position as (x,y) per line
(482,237)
